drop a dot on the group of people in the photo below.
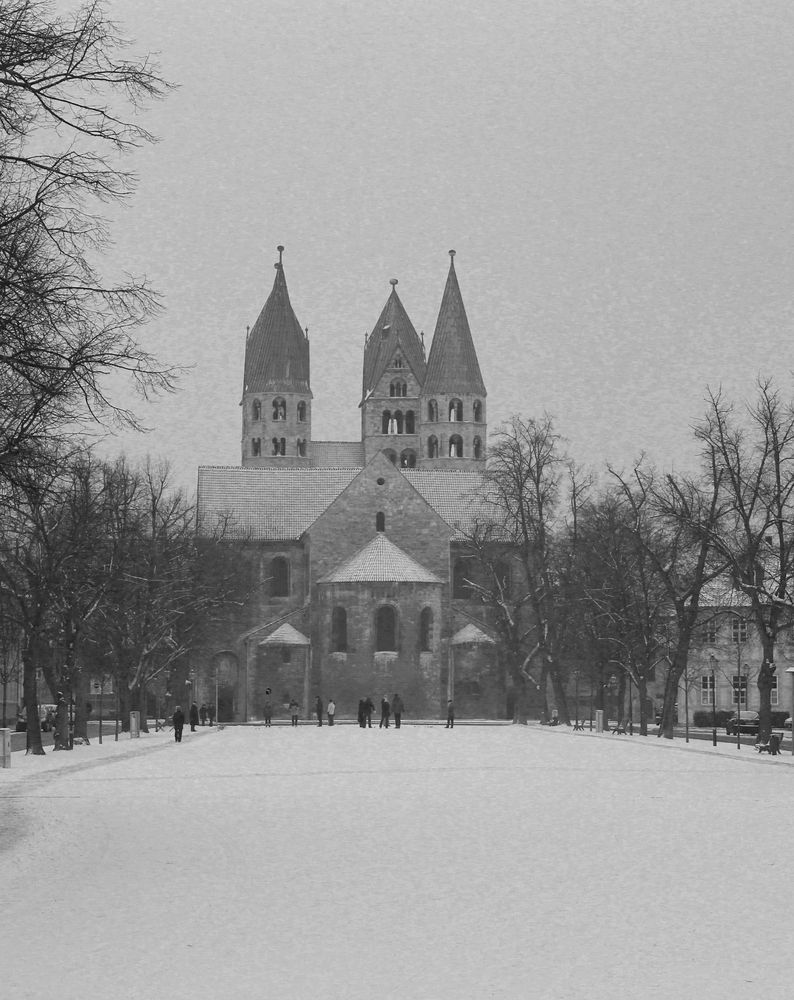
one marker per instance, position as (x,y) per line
(196,715)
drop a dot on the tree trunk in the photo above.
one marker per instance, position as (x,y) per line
(34,744)
(81,700)
(765,676)
(642,693)
(621,706)
(544,702)
(560,697)
(520,702)
(142,708)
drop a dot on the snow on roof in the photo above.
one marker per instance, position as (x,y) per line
(380,561)
(285,635)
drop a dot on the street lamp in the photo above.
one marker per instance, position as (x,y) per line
(790,670)
(713,664)
(577,724)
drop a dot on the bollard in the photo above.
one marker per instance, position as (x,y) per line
(599,718)
(135,725)
(5,748)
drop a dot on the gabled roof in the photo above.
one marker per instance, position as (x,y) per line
(452,366)
(380,561)
(392,329)
(470,634)
(277,349)
(456,496)
(285,635)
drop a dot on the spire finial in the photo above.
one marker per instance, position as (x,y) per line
(280,252)
(452,258)
(393,282)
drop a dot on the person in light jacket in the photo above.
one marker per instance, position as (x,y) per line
(294,710)
(331,711)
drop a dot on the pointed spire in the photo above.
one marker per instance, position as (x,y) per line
(277,350)
(452,366)
(393,328)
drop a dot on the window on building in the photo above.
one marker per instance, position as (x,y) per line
(279,408)
(302,447)
(739,630)
(455,411)
(301,412)
(708,633)
(739,684)
(339,630)
(256,447)
(456,446)
(410,425)
(773,692)
(461,573)
(432,446)
(279,577)
(385,628)
(279,446)
(380,521)
(398,388)
(477,411)
(432,411)
(707,689)
(385,421)
(408,459)
(426,630)
(398,362)
(286,654)
(477,448)
(256,410)
(397,421)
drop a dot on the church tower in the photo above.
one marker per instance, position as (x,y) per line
(277,398)
(394,370)
(454,429)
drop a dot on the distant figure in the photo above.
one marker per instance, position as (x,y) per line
(210,713)
(178,720)
(397,707)
(362,713)
(369,708)
(22,721)
(318,710)
(203,715)
(450,715)
(331,711)
(193,717)
(267,711)
(385,711)
(294,709)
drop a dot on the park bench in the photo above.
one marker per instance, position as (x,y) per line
(772,746)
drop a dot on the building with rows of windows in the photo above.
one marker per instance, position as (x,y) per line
(352,553)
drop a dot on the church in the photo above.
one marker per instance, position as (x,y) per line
(353,558)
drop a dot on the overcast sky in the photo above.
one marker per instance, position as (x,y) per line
(616,178)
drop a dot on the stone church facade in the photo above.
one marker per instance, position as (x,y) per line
(352,555)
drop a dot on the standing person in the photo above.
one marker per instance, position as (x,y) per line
(369,708)
(210,713)
(294,709)
(385,712)
(331,711)
(450,715)
(193,717)
(362,713)
(203,715)
(397,707)
(178,720)
(318,710)
(268,710)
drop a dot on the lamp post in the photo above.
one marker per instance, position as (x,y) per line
(613,687)
(686,701)
(713,663)
(577,724)
(790,670)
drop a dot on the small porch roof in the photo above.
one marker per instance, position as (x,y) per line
(285,635)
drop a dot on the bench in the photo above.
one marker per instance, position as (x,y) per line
(772,746)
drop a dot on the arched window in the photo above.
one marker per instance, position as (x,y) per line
(279,446)
(256,447)
(426,630)
(385,420)
(456,446)
(398,388)
(391,455)
(279,577)
(477,411)
(410,425)
(385,628)
(461,573)
(398,361)
(397,421)
(455,411)
(301,412)
(380,521)
(408,459)
(432,446)
(432,411)
(256,410)
(339,630)
(279,408)
(302,447)
(477,448)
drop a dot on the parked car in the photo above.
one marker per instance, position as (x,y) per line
(787,722)
(743,722)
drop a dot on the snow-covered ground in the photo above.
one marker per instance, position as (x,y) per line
(483,862)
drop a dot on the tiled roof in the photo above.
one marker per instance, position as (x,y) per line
(337,454)
(266,503)
(393,327)
(285,635)
(452,366)
(380,561)
(468,634)
(455,496)
(277,349)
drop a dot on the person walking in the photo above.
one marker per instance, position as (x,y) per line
(385,712)
(194,718)
(178,719)
(450,715)
(318,710)
(331,711)
(369,708)
(397,707)
(203,715)
(294,709)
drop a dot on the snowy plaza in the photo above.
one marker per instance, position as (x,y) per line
(482,862)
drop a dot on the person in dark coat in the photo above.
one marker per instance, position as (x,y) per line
(385,712)
(194,718)
(294,711)
(450,715)
(178,720)
(203,715)
(210,713)
(362,713)
(318,710)
(397,707)
(369,708)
